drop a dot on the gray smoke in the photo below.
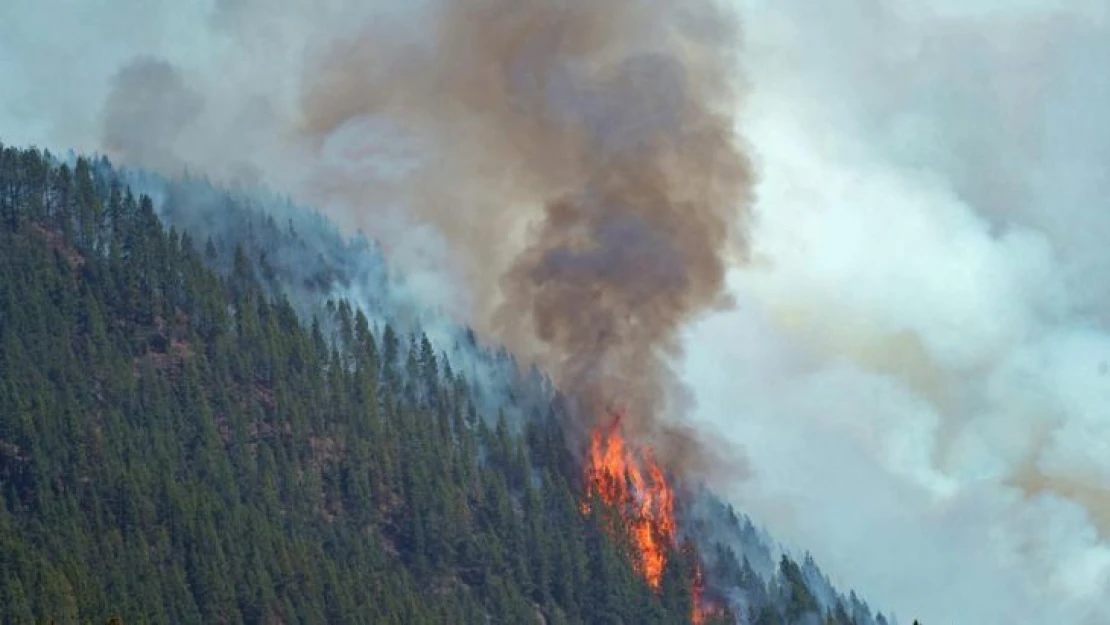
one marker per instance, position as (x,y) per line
(606,132)
(148,107)
(917,372)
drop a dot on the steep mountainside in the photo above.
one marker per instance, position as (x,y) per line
(216,409)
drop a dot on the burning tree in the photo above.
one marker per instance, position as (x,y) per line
(639,507)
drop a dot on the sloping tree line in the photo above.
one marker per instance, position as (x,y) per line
(179,443)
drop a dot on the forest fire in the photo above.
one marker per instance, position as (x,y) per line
(635,488)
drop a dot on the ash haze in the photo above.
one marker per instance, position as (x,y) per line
(918,368)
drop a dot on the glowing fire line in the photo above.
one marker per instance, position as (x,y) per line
(636,488)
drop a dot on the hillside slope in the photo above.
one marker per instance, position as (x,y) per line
(196,428)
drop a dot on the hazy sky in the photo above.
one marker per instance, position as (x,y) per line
(922,356)
(919,366)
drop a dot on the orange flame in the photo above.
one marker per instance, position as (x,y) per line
(703,609)
(698,617)
(637,490)
(635,487)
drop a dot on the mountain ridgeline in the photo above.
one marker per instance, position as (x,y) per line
(215,408)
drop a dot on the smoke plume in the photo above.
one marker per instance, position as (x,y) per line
(577,158)
(918,370)
(602,133)
(148,106)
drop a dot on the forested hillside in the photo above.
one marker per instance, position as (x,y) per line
(191,431)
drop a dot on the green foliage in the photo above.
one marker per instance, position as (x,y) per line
(176,447)
(183,441)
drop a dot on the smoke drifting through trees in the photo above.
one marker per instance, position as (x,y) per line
(927,320)
(586,173)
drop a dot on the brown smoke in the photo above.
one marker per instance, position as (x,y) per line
(148,106)
(585,171)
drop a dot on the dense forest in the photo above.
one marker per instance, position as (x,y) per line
(219,410)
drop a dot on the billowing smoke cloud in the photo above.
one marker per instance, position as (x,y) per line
(578,158)
(605,130)
(921,367)
(917,370)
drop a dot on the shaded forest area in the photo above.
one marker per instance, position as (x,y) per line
(182,442)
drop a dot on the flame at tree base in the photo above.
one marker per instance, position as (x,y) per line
(635,488)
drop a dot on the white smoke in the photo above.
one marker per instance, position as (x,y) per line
(919,372)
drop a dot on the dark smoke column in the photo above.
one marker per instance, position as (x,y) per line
(612,122)
(621,261)
(616,267)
